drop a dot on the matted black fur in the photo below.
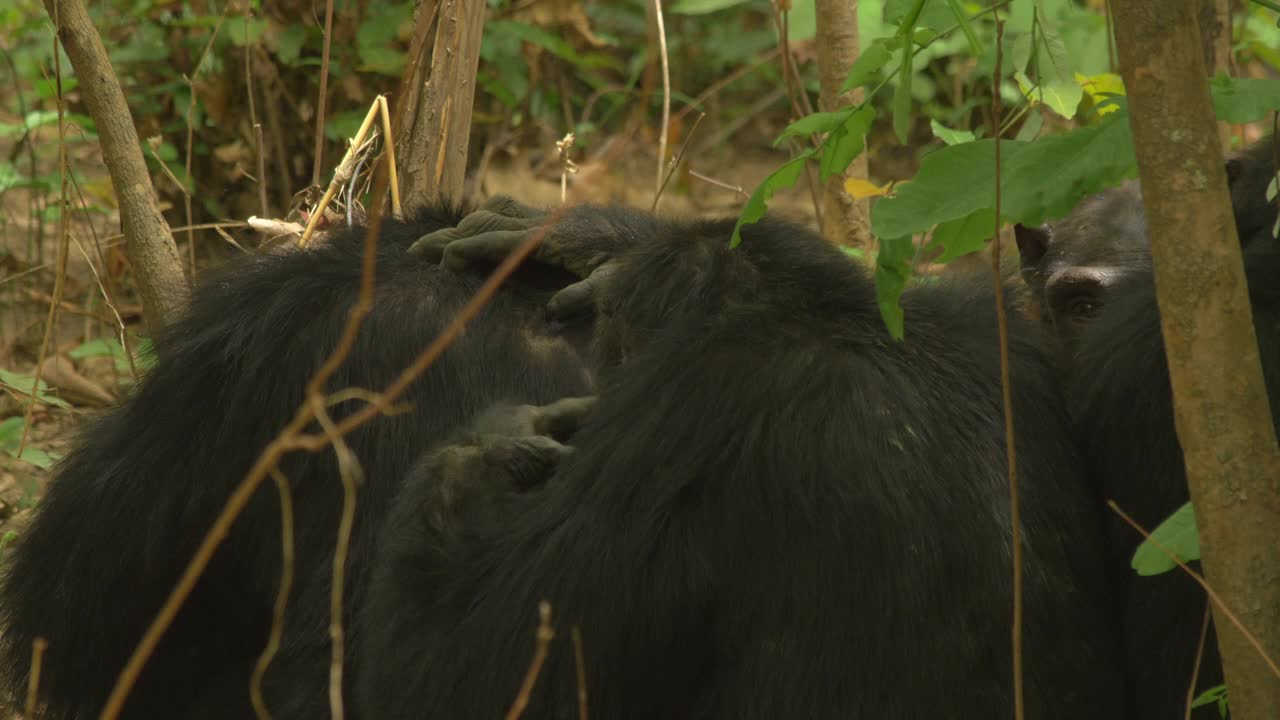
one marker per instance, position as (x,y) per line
(127,508)
(774,511)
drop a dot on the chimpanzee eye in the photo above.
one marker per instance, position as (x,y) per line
(1084,307)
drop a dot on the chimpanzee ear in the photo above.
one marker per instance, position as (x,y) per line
(1033,243)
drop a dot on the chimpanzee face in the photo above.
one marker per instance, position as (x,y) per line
(1070,265)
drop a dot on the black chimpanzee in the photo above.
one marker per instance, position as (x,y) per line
(128,506)
(1120,400)
(1070,265)
(773,510)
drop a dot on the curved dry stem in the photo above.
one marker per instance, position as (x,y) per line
(544,635)
(282,596)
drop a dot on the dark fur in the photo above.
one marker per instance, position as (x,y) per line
(128,507)
(774,511)
(1121,401)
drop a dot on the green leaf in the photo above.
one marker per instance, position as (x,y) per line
(967,235)
(22,382)
(343,125)
(701,7)
(930,13)
(893,271)
(47,88)
(242,31)
(1216,694)
(110,347)
(10,177)
(8,537)
(1244,100)
(96,348)
(1178,535)
(1030,126)
(757,204)
(1041,180)
(376,39)
(949,136)
(966,27)
(817,123)
(1021,54)
(846,142)
(11,436)
(802,21)
(1062,97)
(902,97)
(289,45)
(874,57)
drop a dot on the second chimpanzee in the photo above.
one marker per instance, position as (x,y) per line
(774,510)
(1121,403)
(127,508)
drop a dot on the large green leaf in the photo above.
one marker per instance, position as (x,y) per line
(1040,180)
(1244,100)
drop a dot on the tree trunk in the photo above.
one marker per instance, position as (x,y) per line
(1215,35)
(153,255)
(846,221)
(1220,400)
(433,162)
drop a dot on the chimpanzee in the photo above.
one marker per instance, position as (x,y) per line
(1070,265)
(127,508)
(1120,401)
(772,510)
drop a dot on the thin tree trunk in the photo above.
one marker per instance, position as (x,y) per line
(1220,400)
(1215,35)
(433,163)
(153,255)
(846,221)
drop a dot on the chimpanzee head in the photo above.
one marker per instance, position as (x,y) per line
(1069,265)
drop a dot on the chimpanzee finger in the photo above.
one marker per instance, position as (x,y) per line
(507,206)
(579,298)
(483,221)
(563,418)
(487,248)
(432,245)
(531,460)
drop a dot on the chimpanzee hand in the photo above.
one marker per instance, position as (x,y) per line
(509,449)
(584,241)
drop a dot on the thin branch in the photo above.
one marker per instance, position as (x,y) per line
(1006,393)
(1213,595)
(544,635)
(318,161)
(580,663)
(390,144)
(282,595)
(1195,668)
(675,162)
(38,646)
(666,101)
